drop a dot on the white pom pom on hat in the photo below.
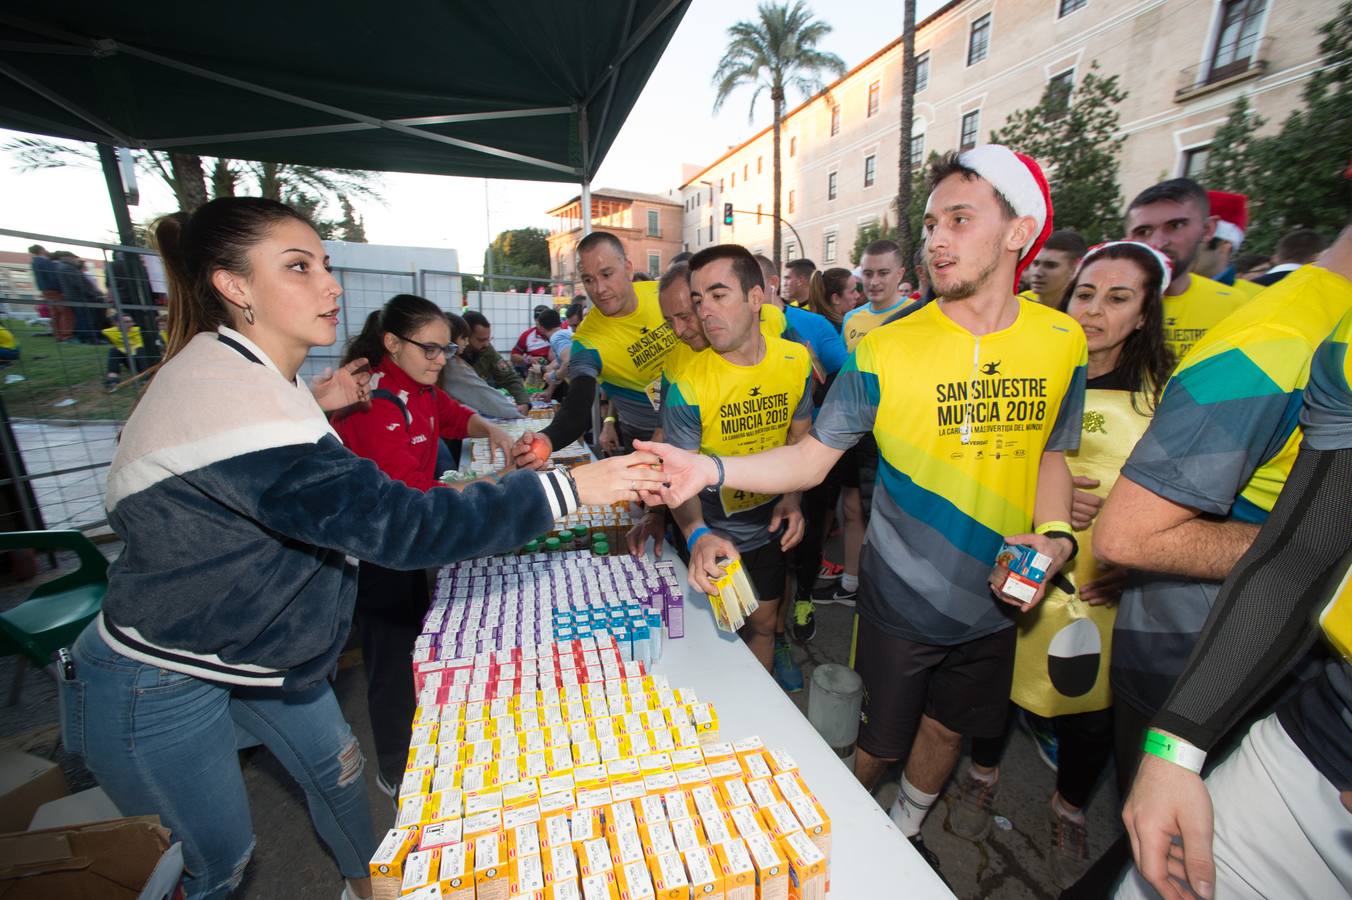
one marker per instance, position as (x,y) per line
(1019,179)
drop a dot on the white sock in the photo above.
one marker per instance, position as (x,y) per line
(849,582)
(990,777)
(911,807)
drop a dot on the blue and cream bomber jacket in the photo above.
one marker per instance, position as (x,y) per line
(244,516)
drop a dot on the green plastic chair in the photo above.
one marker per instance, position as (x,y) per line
(56,612)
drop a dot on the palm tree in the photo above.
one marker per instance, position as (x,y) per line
(777,51)
(904,174)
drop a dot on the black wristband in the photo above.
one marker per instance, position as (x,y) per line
(1074,544)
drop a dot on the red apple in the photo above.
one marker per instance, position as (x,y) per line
(540,447)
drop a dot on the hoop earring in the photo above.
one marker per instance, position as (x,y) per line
(249,314)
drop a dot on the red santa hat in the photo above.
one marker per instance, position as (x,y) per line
(1020,181)
(1232,213)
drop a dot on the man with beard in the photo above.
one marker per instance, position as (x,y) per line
(488,364)
(1175,218)
(973,400)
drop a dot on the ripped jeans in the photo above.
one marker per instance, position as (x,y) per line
(163,743)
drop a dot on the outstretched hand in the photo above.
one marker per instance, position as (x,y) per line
(686,473)
(350,385)
(618,479)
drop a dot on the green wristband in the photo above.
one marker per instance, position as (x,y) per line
(1175,750)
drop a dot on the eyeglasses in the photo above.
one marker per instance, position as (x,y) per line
(432,351)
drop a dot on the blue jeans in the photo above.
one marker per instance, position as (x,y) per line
(163,743)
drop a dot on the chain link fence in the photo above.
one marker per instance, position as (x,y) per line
(68,390)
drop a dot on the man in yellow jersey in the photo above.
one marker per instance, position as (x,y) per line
(673,295)
(1272,819)
(1053,268)
(1205,476)
(1174,217)
(622,343)
(881,269)
(973,400)
(749,393)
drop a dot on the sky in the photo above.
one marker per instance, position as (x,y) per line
(672,123)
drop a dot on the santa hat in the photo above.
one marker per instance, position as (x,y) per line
(1020,181)
(1166,267)
(1232,212)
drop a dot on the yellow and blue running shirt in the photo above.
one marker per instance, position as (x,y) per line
(863,319)
(1196,311)
(625,354)
(961,423)
(715,406)
(1223,441)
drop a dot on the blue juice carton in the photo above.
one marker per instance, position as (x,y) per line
(1019,571)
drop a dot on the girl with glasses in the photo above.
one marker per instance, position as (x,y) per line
(408,343)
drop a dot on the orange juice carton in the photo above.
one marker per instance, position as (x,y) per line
(456,872)
(706,882)
(669,878)
(439,834)
(491,880)
(807,867)
(527,875)
(420,869)
(636,882)
(523,840)
(739,874)
(595,857)
(772,870)
(602,886)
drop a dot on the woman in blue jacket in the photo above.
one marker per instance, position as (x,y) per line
(243,517)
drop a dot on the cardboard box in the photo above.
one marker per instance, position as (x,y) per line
(26,782)
(98,861)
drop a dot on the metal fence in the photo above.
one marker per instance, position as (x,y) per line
(60,411)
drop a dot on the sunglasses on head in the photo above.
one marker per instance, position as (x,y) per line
(431,351)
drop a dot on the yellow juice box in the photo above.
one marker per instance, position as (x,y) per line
(602,886)
(772,870)
(636,882)
(490,867)
(524,840)
(706,882)
(456,872)
(669,878)
(420,869)
(388,860)
(439,834)
(527,875)
(739,874)
(807,867)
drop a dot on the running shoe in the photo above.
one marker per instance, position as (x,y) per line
(834,595)
(970,816)
(1068,858)
(830,571)
(929,856)
(786,671)
(804,625)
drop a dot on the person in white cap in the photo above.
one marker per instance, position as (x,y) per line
(973,400)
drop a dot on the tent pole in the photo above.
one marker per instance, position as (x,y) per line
(117,195)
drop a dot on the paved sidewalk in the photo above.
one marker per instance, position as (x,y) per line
(72,499)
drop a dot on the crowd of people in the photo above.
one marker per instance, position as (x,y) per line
(1116,408)
(1173,445)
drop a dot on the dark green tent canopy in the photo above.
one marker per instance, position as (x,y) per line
(530,89)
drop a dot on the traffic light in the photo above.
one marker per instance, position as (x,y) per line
(727,213)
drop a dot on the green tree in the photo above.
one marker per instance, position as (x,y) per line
(1297,173)
(1232,165)
(523,252)
(1077,144)
(775,52)
(867,234)
(186,174)
(350,226)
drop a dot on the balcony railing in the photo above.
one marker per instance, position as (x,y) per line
(1226,65)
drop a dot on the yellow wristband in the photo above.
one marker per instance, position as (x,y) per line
(608,420)
(1053,526)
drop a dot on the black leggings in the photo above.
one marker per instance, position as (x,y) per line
(390,610)
(1084,743)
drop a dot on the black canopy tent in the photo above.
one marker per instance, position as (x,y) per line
(528,89)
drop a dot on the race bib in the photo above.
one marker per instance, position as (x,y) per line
(736,501)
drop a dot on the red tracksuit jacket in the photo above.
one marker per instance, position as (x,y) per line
(404,451)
